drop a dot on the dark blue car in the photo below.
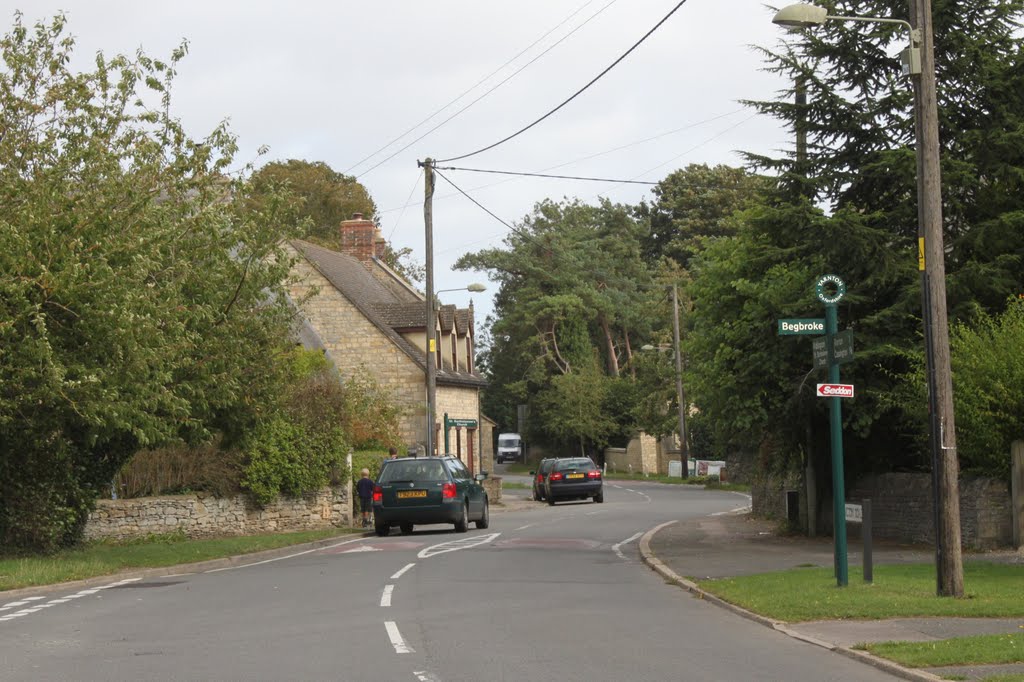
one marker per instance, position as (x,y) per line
(423,490)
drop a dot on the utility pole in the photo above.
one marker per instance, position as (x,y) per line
(428,221)
(931,263)
(681,396)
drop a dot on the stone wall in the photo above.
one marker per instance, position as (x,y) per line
(492,484)
(901,507)
(203,515)
(621,461)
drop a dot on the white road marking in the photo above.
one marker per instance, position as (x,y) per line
(456,545)
(630,490)
(524,527)
(178,575)
(737,510)
(618,548)
(396,639)
(287,556)
(398,575)
(385,597)
(424,676)
(54,602)
(364,548)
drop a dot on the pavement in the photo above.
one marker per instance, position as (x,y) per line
(738,544)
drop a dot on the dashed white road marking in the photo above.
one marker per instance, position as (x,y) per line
(399,574)
(287,556)
(35,608)
(396,639)
(424,676)
(385,597)
(456,545)
(618,548)
(524,527)
(362,548)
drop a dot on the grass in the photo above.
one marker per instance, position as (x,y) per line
(510,485)
(906,590)
(977,650)
(655,478)
(105,558)
(519,468)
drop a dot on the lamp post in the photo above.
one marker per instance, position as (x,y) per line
(680,394)
(919,63)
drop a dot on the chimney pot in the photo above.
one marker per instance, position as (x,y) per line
(357,216)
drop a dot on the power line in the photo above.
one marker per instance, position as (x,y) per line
(574,95)
(488,92)
(605,152)
(407,200)
(546,175)
(485,209)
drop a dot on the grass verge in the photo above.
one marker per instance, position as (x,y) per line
(905,590)
(510,485)
(105,558)
(977,650)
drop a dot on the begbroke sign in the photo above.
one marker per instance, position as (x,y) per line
(802,326)
(835,390)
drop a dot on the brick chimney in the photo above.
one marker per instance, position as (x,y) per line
(358,238)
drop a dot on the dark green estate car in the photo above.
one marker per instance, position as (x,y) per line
(422,490)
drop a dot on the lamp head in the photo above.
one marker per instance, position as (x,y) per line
(476,288)
(800,16)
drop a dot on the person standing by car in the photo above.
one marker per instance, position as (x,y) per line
(364,488)
(392,452)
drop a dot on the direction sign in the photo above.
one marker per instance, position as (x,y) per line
(835,390)
(855,513)
(843,349)
(802,326)
(468,423)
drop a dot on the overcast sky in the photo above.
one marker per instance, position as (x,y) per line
(335,81)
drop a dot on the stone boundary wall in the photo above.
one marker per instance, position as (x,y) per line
(902,507)
(622,461)
(492,484)
(203,515)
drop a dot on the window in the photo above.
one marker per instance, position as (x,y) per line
(458,469)
(412,470)
(455,354)
(469,354)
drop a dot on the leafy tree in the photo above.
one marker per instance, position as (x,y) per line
(139,305)
(325,197)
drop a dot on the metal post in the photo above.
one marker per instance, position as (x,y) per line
(835,412)
(865,536)
(680,395)
(428,220)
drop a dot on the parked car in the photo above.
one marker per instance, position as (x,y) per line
(539,476)
(414,491)
(574,478)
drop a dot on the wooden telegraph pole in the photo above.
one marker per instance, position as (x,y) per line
(931,263)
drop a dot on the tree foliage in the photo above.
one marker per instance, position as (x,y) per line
(139,304)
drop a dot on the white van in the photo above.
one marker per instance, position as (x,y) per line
(510,448)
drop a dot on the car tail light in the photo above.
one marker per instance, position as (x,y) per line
(448,491)
(378,494)
(557,476)
(540,478)
(596,473)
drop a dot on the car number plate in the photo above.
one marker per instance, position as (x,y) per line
(575,476)
(411,493)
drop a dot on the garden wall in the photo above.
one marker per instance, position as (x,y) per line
(203,515)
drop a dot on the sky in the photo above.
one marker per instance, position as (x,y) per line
(337,81)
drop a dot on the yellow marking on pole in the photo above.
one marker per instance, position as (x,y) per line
(920,254)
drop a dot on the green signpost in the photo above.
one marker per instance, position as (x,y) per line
(831,350)
(449,423)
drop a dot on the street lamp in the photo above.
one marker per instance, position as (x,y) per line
(680,394)
(431,350)
(919,62)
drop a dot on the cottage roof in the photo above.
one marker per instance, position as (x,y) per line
(387,309)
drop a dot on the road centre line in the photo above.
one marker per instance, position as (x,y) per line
(398,575)
(385,597)
(618,548)
(287,556)
(529,525)
(396,639)
(424,676)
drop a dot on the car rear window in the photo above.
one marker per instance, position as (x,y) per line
(577,464)
(426,470)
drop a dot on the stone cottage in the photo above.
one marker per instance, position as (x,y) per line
(365,316)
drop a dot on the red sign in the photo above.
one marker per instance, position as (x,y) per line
(835,390)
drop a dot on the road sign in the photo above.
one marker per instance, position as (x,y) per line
(842,349)
(468,423)
(802,326)
(830,289)
(835,390)
(854,512)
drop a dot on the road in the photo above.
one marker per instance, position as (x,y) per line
(547,593)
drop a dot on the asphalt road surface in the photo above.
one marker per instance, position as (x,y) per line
(548,593)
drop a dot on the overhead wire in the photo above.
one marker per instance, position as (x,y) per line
(574,95)
(546,175)
(599,154)
(486,93)
(407,200)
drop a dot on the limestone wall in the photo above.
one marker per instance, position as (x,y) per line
(203,515)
